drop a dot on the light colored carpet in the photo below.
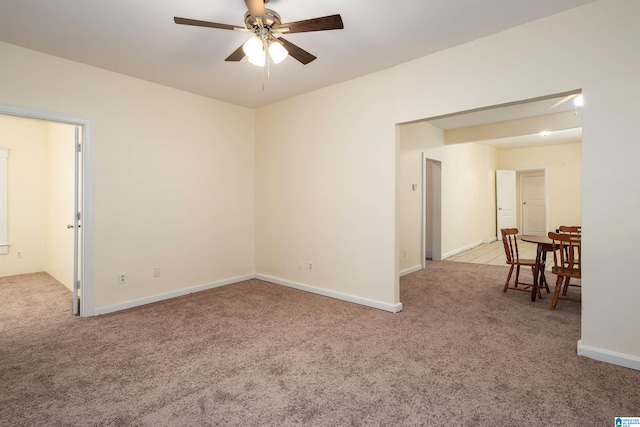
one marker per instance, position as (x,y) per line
(253,353)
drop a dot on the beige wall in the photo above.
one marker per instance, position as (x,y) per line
(60,201)
(173,176)
(174,182)
(488,179)
(564,163)
(325,186)
(587,51)
(41,203)
(26,141)
(467,188)
(591,53)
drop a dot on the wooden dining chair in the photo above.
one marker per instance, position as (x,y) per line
(567,263)
(571,229)
(575,230)
(510,242)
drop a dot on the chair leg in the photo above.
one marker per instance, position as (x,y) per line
(556,294)
(544,279)
(566,286)
(506,284)
(517,275)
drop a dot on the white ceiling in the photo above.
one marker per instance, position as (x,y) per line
(139,38)
(519,110)
(565,136)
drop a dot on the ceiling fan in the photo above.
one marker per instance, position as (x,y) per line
(267,28)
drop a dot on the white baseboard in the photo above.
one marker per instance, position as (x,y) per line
(608,356)
(410,270)
(394,308)
(491,240)
(459,250)
(168,295)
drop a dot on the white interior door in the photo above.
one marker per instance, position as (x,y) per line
(534,206)
(505,200)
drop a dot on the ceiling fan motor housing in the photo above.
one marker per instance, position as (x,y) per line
(273,20)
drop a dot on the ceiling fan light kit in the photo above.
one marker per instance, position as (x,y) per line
(277,52)
(265,24)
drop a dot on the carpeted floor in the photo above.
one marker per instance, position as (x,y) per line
(253,353)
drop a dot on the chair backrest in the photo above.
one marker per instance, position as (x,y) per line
(510,242)
(567,253)
(571,229)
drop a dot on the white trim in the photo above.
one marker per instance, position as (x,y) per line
(608,356)
(462,249)
(411,270)
(87,281)
(491,240)
(169,295)
(394,308)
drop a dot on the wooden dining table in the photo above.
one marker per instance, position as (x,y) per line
(545,244)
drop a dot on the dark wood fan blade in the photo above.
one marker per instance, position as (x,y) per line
(185,21)
(256,8)
(333,22)
(237,55)
(299,54)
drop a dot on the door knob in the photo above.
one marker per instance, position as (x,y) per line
(71,225)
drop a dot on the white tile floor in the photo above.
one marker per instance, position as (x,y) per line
(493,253)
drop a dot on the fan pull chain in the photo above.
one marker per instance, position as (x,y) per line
(267,70)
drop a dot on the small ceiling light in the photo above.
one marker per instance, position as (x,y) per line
(277,52)
(578,101)
(545,133)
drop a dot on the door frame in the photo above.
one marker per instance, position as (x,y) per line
(435,183)
(525,171)
(86,176)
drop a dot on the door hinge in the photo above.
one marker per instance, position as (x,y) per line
(79,148)
(78,216)
(77,285)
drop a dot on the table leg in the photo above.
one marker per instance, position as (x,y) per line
(537,272)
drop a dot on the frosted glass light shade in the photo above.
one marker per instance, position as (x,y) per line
(277,52)
(258,58)
(252,47)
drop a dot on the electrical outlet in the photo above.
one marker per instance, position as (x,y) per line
(19,254)
(300,265)
(310,266)
(122,278)
(156,272)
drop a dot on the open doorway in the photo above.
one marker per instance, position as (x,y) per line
(49,183)
(473,145)
(432,211)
